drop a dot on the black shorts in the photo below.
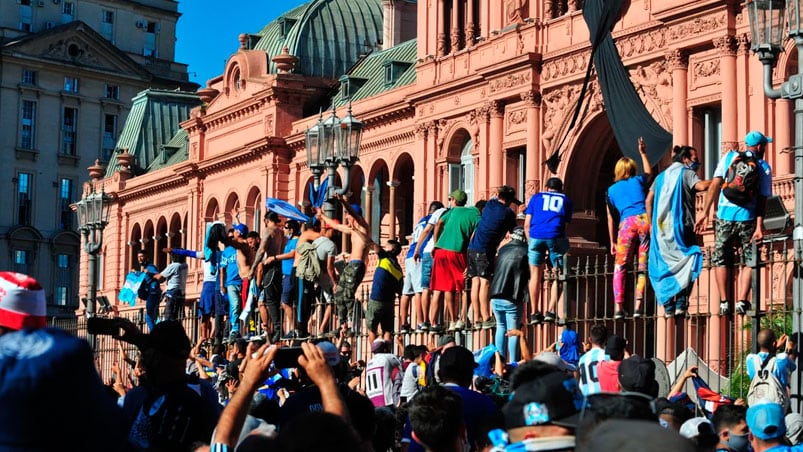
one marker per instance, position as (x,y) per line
(272,283)
(480,264)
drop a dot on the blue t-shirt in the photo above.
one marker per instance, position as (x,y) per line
(152,284)
(287,264)
(627,196)
(729,211)
(783,366)
(387,278)
(495,222)
(549,211)
(416,236)
(228,260)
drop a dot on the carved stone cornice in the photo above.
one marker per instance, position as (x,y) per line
(531,98)
(677,59)
(495,109)
(420,131)
(744,43)
(726,45)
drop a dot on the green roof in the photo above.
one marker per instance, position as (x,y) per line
(372,69)
(327,36)
(152,123)
(175,151)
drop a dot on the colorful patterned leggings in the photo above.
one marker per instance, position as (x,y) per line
(630,228)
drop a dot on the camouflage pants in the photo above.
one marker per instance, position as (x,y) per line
(728,235)
(350,280)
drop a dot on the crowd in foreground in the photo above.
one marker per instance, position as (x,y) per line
(312,396)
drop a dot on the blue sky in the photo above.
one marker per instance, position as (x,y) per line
(207,31)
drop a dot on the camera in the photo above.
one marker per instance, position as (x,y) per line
(102,326)
(287,357)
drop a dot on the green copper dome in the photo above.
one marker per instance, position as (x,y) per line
(327,36)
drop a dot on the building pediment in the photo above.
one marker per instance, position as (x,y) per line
(75,44)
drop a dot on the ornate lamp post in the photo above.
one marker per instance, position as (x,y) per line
(331,143)
(93,216)
(767,28)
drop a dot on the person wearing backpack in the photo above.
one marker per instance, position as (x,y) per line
(742,183)
(779,366)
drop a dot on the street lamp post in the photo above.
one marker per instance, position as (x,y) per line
(767,27)
(331,143)
(93,215)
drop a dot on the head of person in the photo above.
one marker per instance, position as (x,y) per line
(22,303)
(292,228)
(507,195)
(231,233)
(177,258)
(598,335)
(457,366)
(637,374)
(672,414)
(730,425)
(142,258)
(331,433)
(435,206)
(393,247)
(252,239)
(328,229)
(548,406)
(272,220)
(458,198)
(480,205)
(767,425)
(554,359)
(757,142)
(554,184)
(626,435)
(686,155)
(164,352)
(615,347)
(345,351)
(380,346)
(766,340)
(357,211)
(625,169)
(446,341)
(436,417)
(240,230)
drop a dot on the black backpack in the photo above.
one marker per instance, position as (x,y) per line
(741,180)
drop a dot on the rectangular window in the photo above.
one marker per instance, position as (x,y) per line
(109,136)
(28,77)
(107,24)
(68,9)
(71,84)
(107,17)
(112,92)
(712,139)
(65,199)
(27,124)
(63,280)
(26,15)
(69,128)
(24,196)
(25,2)
(21,261)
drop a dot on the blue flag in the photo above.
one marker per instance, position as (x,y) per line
(128,294)
(285,209)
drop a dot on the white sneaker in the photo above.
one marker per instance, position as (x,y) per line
(459,325)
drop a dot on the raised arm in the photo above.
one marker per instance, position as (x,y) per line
(328,222)
(645,161)
(182,252)
(357,217)
(419,246)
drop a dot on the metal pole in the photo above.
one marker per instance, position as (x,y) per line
(329,208)
(797,234)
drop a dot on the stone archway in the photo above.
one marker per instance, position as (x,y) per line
(404,174)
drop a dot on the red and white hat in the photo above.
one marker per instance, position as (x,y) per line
(22,302)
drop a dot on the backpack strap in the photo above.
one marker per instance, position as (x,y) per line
(765,362)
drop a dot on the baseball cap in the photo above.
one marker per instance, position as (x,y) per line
(695,427)
(754,138)
(766,420)
(22,302)
(330,352)
(379,346)
(241,228)
(445,340)
(637,374)
(551,399)
(457,358)
(555,360)
(615,348)
(459,196)
(518,234)
(357,209)
(509,193)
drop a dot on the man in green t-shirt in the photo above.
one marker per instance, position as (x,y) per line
(452,234)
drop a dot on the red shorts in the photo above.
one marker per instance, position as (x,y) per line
(447,271)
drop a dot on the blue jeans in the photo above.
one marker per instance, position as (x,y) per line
(152,309)
(507,316)
(235,300)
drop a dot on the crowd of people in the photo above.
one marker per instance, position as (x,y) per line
(314,396)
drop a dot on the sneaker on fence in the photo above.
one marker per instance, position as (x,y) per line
(724,308)
(459,325)
(289,336)
(423,327)
(638,313)
(436,328)
(669,311)
(619,315)
(550,317)
(405,329)
(742,306)
(302,336)
(451,326)
(681,309)
(535,319)
(488,324)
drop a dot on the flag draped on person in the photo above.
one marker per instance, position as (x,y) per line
(673,264)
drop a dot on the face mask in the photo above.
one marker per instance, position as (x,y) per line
(694,166)
(737,443)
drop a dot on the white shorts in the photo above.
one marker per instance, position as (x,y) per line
(412,277)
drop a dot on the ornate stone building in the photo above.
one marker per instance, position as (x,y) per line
(478,96)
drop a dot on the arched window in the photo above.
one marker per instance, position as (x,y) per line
(461,175)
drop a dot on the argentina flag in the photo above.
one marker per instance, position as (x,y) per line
(673,264)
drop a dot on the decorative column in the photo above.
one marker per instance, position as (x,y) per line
(421,197)
(496,156)
(392,207)
(440,18)
(678,63)
(469,33)
(781,138)
(369,194)
(532,99)
(727,61)
(433,190)
(455,42)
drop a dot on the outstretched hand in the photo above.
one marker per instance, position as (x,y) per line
(314,362)
(642,146)
(258,368)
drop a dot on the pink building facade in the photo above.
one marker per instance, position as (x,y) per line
(481,97)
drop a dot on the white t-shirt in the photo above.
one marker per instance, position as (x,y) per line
(587,365)
(379,379)
(324,248)
(433,220)
(410,381)
(175,276)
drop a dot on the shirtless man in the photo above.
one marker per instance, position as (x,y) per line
(360,232)
(269,275)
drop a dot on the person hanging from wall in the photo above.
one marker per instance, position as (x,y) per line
(625,200)
(150,290)
(676,260)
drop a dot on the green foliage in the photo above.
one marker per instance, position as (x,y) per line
(778,321)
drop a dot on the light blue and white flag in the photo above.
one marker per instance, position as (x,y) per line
(128,294)
(673,264)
